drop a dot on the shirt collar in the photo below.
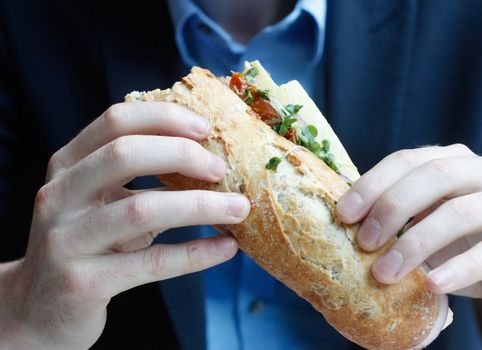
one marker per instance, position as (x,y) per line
(183,10)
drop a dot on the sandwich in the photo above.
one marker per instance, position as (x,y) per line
(282,154)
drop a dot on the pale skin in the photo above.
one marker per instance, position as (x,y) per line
(243,19)
(442,188)
(90,237)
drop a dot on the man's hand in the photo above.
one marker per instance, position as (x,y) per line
(90,236)
(441,188)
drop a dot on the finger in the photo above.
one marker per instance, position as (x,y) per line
(122,192)
(124,271)
(453,220)
(150,118)
(129,156)
(459,272)
(152,211)
(417,191)
(358,200)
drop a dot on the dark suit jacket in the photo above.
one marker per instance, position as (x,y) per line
(395,74)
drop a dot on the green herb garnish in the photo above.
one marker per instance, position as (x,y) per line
(273,163)
(264,94)
(325,145)
(329,160)
(287,119)
(306,138)
(249,97)
(305,135)
(286,124)
(251,74)
(293,109)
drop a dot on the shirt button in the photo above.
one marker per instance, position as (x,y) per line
(256,307)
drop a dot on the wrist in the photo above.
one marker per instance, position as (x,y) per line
(13,332)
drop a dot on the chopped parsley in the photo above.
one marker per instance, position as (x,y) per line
(273,163)
(249,97)
(251,74)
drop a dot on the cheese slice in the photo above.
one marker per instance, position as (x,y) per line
(293,93)
(450,318)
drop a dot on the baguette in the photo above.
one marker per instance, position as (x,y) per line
(292,230)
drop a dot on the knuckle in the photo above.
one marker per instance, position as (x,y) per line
(414,245)
(407,156)
(473,262)
(441,169)
(464,210)
(154,261)
(391,204)
(77,282)
(113,116)
(54,164)
(121,150)
(203,204)
(45,196)
(191,254)
(462,149)
(139,210)
(373,183)
(190,152)
(166,111)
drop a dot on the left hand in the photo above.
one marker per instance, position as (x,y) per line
(441,188)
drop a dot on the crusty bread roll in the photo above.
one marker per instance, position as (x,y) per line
(292,230)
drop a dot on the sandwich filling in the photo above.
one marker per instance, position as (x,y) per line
(284,119)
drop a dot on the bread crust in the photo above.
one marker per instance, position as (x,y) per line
(292,230)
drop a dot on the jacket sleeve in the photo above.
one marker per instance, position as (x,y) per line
(7,122)
(14,227)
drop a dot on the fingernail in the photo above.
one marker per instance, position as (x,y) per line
(200,126)
(369,234)
(350,206)
(389,265)
(218,168)
(442,277)
(238,206)
(224,245)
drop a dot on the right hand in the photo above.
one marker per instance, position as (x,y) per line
(90,236)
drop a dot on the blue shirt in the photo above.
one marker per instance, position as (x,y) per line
(245,307)
(290,49)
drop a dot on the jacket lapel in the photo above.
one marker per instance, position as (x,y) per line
(139,53)
(137,46)
(368,45)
